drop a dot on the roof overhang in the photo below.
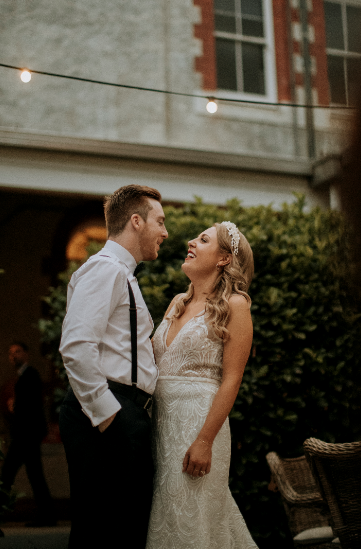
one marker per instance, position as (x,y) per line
(176,155)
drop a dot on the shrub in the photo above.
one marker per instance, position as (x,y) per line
(302,377)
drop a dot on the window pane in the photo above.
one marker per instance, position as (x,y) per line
(226,64)
(224,5)
(353,80)
(251,27)
(225,23)
(253,70)
(354,28)
(336,79)
(334,31)
(251,7)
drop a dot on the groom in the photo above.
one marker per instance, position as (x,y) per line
(108,356)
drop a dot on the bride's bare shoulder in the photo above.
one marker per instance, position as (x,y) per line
(242,301)
(172,303)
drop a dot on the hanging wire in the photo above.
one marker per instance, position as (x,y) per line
(168,92)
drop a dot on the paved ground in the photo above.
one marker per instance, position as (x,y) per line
(17,536)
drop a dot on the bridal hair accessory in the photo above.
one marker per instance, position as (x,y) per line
(234,233)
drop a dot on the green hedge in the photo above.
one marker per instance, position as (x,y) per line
(302,378)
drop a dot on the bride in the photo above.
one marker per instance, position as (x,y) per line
(201,349)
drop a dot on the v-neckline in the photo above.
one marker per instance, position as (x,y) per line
(170,322)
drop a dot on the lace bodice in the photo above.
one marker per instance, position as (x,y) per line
(195,351)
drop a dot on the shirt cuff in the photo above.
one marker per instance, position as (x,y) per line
(102,408)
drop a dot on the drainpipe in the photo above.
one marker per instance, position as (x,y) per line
(296,137)
(310,127)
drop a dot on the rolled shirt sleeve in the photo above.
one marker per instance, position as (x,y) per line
(93,293)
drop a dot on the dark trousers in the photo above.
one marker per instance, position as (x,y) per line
(24,450)
(111,476)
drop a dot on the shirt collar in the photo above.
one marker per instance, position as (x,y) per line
(122,254)
(22,369)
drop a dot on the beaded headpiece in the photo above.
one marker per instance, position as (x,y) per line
(234,233)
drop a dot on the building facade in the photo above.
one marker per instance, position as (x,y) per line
(64,143)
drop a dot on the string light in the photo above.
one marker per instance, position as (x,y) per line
(25,76)
(182,94)
(212,106)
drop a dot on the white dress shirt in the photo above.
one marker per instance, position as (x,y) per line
(95,343)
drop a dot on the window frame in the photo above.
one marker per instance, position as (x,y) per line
(345,54)
(269,61)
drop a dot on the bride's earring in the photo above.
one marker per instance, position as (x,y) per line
(218,267)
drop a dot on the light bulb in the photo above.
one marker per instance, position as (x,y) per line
(212,106)
(25,76)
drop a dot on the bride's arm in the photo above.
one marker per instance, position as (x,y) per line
(235,355)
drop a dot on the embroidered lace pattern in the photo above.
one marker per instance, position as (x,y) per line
(190,513)
(195,352)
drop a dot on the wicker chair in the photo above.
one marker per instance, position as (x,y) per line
(337,470)
(306,511)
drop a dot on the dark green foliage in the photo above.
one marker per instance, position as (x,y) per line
(302,378)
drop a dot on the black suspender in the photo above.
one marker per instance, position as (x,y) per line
(133,334)
(140,397)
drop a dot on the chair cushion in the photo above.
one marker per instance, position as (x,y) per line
(314,535)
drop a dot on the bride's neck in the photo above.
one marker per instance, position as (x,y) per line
(201,292)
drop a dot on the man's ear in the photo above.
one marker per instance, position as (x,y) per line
(136,221)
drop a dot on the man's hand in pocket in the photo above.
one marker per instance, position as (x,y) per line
(104,424)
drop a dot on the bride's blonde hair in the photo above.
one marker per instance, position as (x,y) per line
(234,278)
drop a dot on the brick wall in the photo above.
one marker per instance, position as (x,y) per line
(281,34)
(287,40)
(206,64)
(317,48)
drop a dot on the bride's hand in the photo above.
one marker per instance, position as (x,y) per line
(197,461)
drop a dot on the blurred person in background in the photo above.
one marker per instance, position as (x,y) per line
(27,429)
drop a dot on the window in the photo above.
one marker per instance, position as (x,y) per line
(240,45)
(343,42)
(92,230)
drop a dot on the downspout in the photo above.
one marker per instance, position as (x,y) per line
(296,137)
(310,127)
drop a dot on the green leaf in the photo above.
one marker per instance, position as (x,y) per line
(299,335)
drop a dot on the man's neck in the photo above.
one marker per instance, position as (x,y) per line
(128,243)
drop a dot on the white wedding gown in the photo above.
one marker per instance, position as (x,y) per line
(187,512)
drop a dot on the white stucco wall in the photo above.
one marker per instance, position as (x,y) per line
(98,176)
(147,44)
(140,43)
